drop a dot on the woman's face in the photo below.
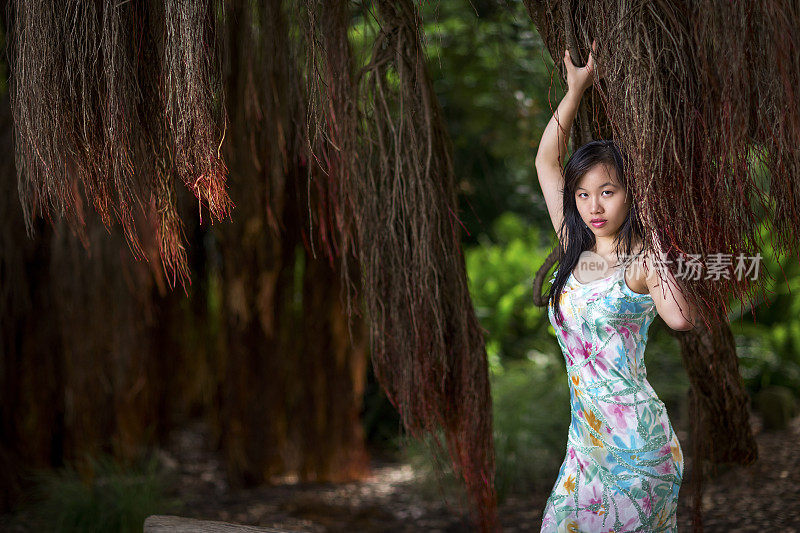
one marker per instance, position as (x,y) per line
(600,196)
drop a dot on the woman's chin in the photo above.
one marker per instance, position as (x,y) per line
(603,233)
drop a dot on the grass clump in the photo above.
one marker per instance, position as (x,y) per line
(115,498)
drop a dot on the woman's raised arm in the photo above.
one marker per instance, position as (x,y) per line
(553,145)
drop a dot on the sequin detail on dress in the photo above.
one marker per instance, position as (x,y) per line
(623,465)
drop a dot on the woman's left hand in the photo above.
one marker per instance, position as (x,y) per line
(580,78)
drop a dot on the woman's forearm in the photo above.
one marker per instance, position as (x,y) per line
(672,305)
(553,146)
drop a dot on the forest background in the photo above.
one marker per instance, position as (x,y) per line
(496,85)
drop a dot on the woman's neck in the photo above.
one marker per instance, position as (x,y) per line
(607,248)
(604,246)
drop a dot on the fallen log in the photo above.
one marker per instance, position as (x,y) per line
(179,524)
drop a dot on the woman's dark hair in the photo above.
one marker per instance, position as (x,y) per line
(579,237)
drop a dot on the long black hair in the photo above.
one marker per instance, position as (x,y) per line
(579,237)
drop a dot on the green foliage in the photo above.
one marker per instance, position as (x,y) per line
(118,500)
(500,274)
(666,374)
(490,72)
(531,417)
(769,346)
(777,405)
(768,356)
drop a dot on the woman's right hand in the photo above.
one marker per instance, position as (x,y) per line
(580,78)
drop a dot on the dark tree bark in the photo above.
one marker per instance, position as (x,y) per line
(291,377)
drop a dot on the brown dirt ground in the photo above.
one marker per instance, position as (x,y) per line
(762,497)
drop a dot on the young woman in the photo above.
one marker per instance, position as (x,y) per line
(624,465)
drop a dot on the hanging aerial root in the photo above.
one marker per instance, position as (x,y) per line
(427,345)
(60,73)
(194,100)
(332,133)
(104,92)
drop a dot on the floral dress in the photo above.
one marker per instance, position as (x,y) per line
(623,465)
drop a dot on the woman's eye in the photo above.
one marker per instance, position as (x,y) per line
(580,194)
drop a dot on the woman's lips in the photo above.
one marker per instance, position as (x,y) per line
(599,224)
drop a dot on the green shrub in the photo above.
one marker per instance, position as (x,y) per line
(531,418)
(501,272)
(117,500)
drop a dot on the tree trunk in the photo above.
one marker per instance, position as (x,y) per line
(292,381)
(332,373)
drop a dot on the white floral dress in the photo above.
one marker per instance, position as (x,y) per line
(623,465)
